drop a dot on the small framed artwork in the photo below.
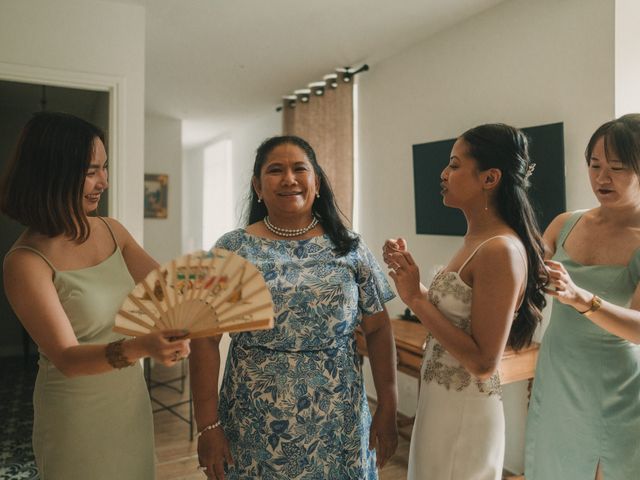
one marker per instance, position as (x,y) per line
(155,195)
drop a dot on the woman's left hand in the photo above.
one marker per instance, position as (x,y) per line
(562,287)
(383,435)
(406,276)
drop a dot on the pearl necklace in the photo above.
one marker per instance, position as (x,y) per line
(289,232)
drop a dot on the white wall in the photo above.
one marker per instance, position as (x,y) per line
(192,185)
(87,37)
(627,66)
(523,63)
(245,140)
(163,154)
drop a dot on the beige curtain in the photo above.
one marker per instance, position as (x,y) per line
(326,122)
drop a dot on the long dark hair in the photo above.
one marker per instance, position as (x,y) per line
(506,148)
(324,208)
(43,182)
(621,137)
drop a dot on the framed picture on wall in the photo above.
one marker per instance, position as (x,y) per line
(155,195)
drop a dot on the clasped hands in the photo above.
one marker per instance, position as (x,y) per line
(404,271)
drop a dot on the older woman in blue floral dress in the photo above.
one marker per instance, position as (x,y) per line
(292,403)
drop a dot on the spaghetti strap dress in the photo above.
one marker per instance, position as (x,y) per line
(96,427)
(459,430)
(585,404)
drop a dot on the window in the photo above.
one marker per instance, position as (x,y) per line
(217,192)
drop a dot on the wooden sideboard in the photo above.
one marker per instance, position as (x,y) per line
(410,339)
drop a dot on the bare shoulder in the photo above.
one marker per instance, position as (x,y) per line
(23,264)
(504,254)
(499,266)
(633,230)
(24,259)
(504,246)
(629,235)
(122,235)
(113,223)
(553,230)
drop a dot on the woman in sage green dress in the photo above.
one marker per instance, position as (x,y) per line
(65,277)
(584,417)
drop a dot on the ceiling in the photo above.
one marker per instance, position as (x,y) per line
(216,63)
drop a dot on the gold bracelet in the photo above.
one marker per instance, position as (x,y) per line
(596,303)
(115,355)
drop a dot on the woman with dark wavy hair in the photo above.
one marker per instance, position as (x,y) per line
(292,403)
(584,419)
(487,297)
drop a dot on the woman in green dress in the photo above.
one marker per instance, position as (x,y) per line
(65,277)
(584,417)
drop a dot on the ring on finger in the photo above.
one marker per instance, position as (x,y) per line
(175,358)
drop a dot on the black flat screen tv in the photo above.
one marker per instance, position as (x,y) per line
(547,192)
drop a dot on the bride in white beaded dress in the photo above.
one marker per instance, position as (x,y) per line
(488,296)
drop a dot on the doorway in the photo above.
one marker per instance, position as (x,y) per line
(18,101)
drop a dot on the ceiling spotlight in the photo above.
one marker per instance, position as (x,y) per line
(290,100)
(331,80)
(303,94)
(317,88)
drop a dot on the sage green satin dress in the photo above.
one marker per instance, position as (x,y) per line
(93,427)
(585,405)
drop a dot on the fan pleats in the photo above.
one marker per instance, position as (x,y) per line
(205,293)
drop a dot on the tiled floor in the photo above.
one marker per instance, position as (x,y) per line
(17,378)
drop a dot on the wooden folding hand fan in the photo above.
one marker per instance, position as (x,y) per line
(205,293)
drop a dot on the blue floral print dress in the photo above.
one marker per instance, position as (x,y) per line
(292,402)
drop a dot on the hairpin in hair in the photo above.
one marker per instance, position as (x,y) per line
(530,168)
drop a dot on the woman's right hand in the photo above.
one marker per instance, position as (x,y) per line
(561,286)
(392,246)
(214,452)
(165,346)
